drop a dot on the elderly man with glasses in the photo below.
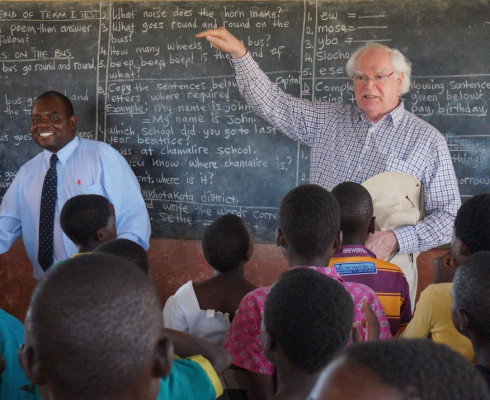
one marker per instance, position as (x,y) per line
(350,143)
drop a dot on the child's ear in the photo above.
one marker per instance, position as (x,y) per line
(99,235)
(248,254)
(250,251)
(163,358)
(280,242)
(102,235)
(372,225)
(463,322)
(29,362)
(267,341)
(269,345)
(337,242)
(464,250)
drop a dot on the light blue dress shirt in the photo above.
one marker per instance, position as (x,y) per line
(84,167)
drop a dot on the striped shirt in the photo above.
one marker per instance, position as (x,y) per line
(358,264)
(345,146)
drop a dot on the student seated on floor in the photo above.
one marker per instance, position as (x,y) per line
(88,220)
(402,369)
(299,298)
(94,330)
(355,263)
(206,308)
(308,234)
(471,307)
(127,249)
(432,316)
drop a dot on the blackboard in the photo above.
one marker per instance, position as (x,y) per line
(168,102)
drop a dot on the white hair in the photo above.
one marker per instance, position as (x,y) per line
(400,64)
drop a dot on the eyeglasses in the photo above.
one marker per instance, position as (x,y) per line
(361,79)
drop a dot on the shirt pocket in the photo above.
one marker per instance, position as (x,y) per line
(76,189)
(397,164)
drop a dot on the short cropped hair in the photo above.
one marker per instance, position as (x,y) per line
(399,61)
(309,219)
(310,316)
(127,249)
(83,215)
(94,322)
(356,206)
(65,100)
(420,369)
(226,242)
(472,223)
(471,291)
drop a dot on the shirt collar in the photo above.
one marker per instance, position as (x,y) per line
(353,251)
(64,153)
(394,116)
(397,114)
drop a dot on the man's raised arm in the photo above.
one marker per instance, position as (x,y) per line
(224,41)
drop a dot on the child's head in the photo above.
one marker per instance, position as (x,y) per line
(94,330)
(399,369)
(88,220)
(308,317)
(126,249)
(309,221)
(472,226)
(471,297)
(227,244)
(356,209)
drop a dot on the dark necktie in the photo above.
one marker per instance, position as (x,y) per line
(46,219)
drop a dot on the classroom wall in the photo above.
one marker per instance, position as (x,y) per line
(173,262)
